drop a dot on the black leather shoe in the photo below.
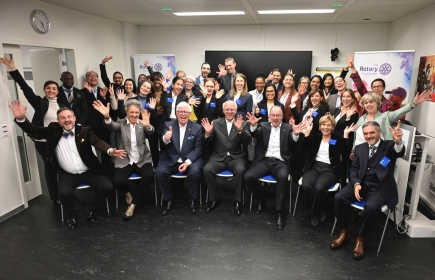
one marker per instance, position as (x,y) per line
(91,215)
(280,222)
(71,223)
(193,206)
(168,207)
(322,216)
(260,206)
(238,209)
(314,220)
(212,205)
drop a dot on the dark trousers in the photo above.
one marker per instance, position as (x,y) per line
(69,182)
(104,134)
(50,171)
(345,197)
(278,169)
(163,176)
(315,184)
(121,175)
(213,167)
(154,148)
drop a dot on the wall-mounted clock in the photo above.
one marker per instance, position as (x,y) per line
(39,21)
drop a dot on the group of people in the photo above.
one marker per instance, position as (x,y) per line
(202,126)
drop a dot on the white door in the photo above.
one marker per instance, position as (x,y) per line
(29,164)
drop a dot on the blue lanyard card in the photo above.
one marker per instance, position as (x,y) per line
(263,111)
(238,102)
(332,141)
(170,100)
(385,161)
(212,105)
(315,114)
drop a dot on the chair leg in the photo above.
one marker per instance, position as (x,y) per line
(107,204)
(296,201)
(290,202)
(155,190)
(250,204)
(383,232)
(200,195)
(243,197)
(395,223)
(61,212)
(206,197)
(116,199)
(333,227)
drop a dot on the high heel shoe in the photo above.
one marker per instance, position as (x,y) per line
(128,198)
(130,211)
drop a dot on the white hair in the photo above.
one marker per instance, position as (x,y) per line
(184,104)
(230,101)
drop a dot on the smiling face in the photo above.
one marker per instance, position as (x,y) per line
(141,78)
(326,128)
(339,84)
(145,88)
(370,106)
(230,66)
(66,119)
(128,86)
(117,79)
(315,83)
(183,115)
(133,114)
(275,116)
(276,77)
(67,80)
(209,85)
(270,92)
(92,78)
(397,101)
(177,87)
(189,83)
(315,99)
(346,99)
(288,81)
(328,81)
(205,70)
(240,83)
(156,81)
(229,109)
(371,135)
(259,84)
(378,88)
(51,90)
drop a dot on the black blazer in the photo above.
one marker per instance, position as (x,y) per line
(224,143)
(84,137)
(244,104)
(298,116)
(95,119)
(211,110)
(388,186)
(265,116)
(79,106)
(342,123)
(287,144)
(225,83)
(40,104)
(312,144)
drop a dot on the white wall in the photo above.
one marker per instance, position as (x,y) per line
(416,32)
(189,43)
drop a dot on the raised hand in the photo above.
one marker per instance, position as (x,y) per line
(168,134)
(421,97)
(111,91)
(349,129)
(302,88)
(106,59)
(17,109)
(152,103)
(220,93)
(326,94)
(252,119)
(169,74)
(295,98)
(103,110)
(222,72)
(270,77)
(349,60)
(290,71)
(208,126)
(87,86)
(216,86)
(8,62)
(397,133)
(194,101)
(308,128)
(203,90)
(257,110)
(350,112)
(146,63)
(145,121)
(163,83)
(121,94)
(118,153)
(238,122)
(292,121)
(103,92)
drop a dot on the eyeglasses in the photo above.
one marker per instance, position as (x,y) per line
(376,87)
(183,112)
(92,76)
(275,115)
(188,82)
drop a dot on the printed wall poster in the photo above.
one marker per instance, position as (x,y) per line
(426,75)
(163,63)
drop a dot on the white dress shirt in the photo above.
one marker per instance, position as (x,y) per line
(68,156)
(173,116)
(323,153)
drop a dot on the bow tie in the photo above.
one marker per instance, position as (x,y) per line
(66,134)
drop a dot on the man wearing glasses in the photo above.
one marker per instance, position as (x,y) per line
(183,140)
(276,140)
(378,87)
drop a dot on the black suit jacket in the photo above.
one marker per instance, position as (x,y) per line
(84,137)
(211,110)
(95,119)
(265,114)
(287,144)
(225,83)
(388,186)
(298,116)
(79,105)
(224,143)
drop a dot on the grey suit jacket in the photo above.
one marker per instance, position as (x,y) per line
(332,101)
(123,128)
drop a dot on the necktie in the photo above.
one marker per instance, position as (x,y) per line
(372,151)
(70,97)
(66,134)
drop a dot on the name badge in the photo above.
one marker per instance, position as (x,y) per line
(190,138)
(147,106)
(332,142)
(212,105)
(315,114)
(263,111)
(385,161)
(238,102)
(170,100)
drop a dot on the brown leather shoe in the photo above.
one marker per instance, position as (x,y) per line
(128,198)
(340,240)
(358,250)
(130,211)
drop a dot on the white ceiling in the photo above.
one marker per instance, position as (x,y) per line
(149,12)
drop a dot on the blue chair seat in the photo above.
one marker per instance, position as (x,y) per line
(225,173)
(134,176)
(179,175)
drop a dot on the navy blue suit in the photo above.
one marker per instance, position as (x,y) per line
(191,149)
(244,104)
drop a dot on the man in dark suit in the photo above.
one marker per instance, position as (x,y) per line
(275,78)
(92,93)
(227,74)
(73,98)
(205,71)
(228,135)
(371,178)
(117,76)
(183,140)
(69,149)
(277,141)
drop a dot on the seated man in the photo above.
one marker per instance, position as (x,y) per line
(69,149)
(371,178)
(276,143)
(228,136)
(183,140)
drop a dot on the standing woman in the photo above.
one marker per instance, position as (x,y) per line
(328,80)
(193,96)
(208,107)
(257,93)
(270,99)
(239,94)
(305,82)
(323,168)
(129,91)
(45,112)
(316,83)
(315,109)
(334,100)
(287,92)
(142,77)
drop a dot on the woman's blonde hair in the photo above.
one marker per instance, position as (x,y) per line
(328,118)
(245,87)
(371,96)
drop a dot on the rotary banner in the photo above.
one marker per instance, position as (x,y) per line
(394,67)
(163,63)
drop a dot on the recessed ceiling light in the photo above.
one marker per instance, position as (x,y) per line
(193,14)
(309,11)
(367,19)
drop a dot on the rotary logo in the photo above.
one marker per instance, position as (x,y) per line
(158,67)
(385,69)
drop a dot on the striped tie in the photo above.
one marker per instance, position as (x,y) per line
(372,151)
(70,97)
